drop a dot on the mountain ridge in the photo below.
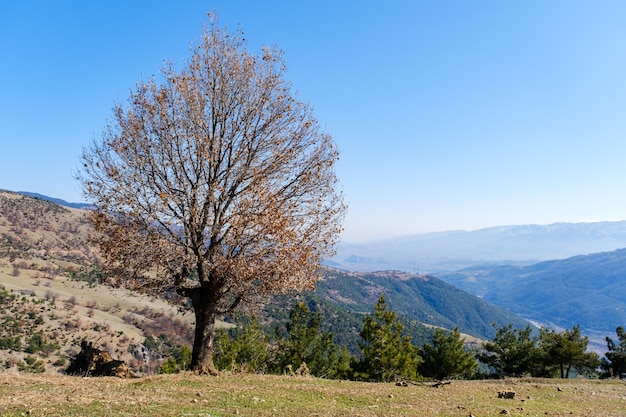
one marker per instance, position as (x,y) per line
(423,298)
(58,201)
(588,290)
(447,251)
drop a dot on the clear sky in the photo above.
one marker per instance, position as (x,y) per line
(449,114)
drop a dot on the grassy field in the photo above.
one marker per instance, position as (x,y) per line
(256,395)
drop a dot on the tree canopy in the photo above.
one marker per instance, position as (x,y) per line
(215,182)
(566,351)
(447,357)
(515,352)
(512,352)
(387,353)
(614,362)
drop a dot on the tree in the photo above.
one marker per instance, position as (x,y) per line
(306,343)
(567,350)
(216,183)
(178,361)
(387,354)
(302,332)
(614,362)
(512,352)
(247,351)
(447,357)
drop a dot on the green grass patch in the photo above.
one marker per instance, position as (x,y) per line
(257,395)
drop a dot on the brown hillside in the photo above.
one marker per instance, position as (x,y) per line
(50,299)
(43,233)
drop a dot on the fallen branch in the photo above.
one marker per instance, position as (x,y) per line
(436,384)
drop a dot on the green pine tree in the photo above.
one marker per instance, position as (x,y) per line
(387,354)
(306,344)
(447,357)
(512,352)
(251,347)
(565,351)
(614,362)
(246,352)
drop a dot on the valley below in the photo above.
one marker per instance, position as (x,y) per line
(556,276)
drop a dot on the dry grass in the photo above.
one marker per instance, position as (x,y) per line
(255,395)
(71,311)
(40,245)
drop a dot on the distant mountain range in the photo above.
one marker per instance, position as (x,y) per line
(503,245)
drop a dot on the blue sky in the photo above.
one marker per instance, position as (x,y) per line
(449,114)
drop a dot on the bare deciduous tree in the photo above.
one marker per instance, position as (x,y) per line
(216,182)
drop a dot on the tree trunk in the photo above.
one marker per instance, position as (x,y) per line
(204,337)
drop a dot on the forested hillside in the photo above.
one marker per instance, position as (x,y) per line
(422,298)
(422,303)
(588,290)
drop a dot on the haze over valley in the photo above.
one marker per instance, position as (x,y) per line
(453,250)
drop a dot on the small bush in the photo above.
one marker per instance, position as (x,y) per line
(60,362)
(179,361)
(32,365)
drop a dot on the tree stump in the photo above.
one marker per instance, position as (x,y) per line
(95,362)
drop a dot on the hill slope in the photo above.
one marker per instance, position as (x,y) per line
(422,298)
(49,295)
(34,230)
(589,290)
